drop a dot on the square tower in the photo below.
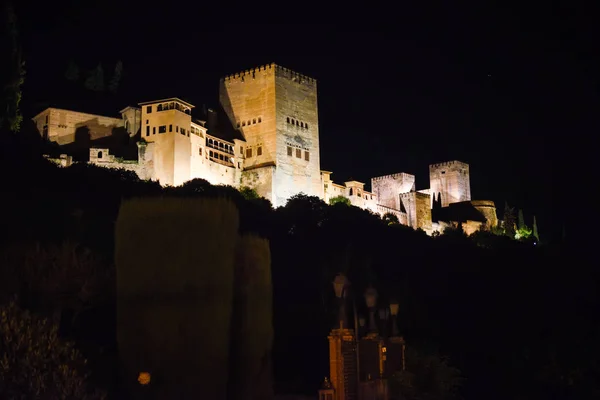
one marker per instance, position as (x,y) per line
(451,181)
(167,124)
(276,110)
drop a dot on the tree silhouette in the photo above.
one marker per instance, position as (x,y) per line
(35,362)
(72,72)
(12,72)
(113,86)
(535,229)
(509,221)
(521,220)
(95,79)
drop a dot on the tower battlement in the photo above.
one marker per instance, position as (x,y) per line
(401,175)
(449,164)
(279,70)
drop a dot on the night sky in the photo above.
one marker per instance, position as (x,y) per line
(499,89)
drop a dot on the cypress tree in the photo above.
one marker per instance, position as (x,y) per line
(521,220)
(72,72)
(12,71)
(95,79)
(116,78)
(509,221)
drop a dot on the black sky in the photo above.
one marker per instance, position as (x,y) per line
(500,89)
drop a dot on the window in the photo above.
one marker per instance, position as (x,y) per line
(170,128)
(199,151)
(162,129)
(259,151)
(99,154)
(241,150)
(306,125)
(147,131)
(289,151)
(259,120)
(154,130)
(253,121)
(351,192)
(159,107)
(298,153)
(182,131)
(248,152)
(243,123)
(288,120)
(176,129)
(148,109)
(306,156)
(147,121)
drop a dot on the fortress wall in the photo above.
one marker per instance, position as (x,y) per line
(388,187)
(451,179)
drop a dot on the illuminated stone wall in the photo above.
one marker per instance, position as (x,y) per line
(66,126)
(276,110)
(488,209)
(260,179)
(388,187)
(451,179)
(298,163)
(418,210)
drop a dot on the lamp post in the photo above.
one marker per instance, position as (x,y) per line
(384,314)
(394,306)
(341,284)
(371,300)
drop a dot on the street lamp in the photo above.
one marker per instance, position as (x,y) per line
(371,300)
(340,284)
(384,314)
(394,306)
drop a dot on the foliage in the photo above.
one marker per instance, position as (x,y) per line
(36,363)
(113,86)
(523,233)
(390,219)
(427,377)
(249,193)
(12,72)
(95,79)
(339,200)
(520,220)
(509,221)
(175,272)
(72,72)
(252,321)
(535,230)
(57,278)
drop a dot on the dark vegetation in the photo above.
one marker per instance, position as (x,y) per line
(519,321)
(513,317)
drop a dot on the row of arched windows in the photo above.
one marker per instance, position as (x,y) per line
(252,121)
(295,122)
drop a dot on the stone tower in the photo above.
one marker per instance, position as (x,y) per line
(451,180)
(167,124)
(276,111)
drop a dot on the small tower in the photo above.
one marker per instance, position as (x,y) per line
(451,180)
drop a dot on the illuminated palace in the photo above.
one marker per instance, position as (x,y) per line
(263,135)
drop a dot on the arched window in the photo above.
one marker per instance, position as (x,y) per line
(259,120)
(288,120)
(351,192)
(159,107)
(253,121)
(99,154)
